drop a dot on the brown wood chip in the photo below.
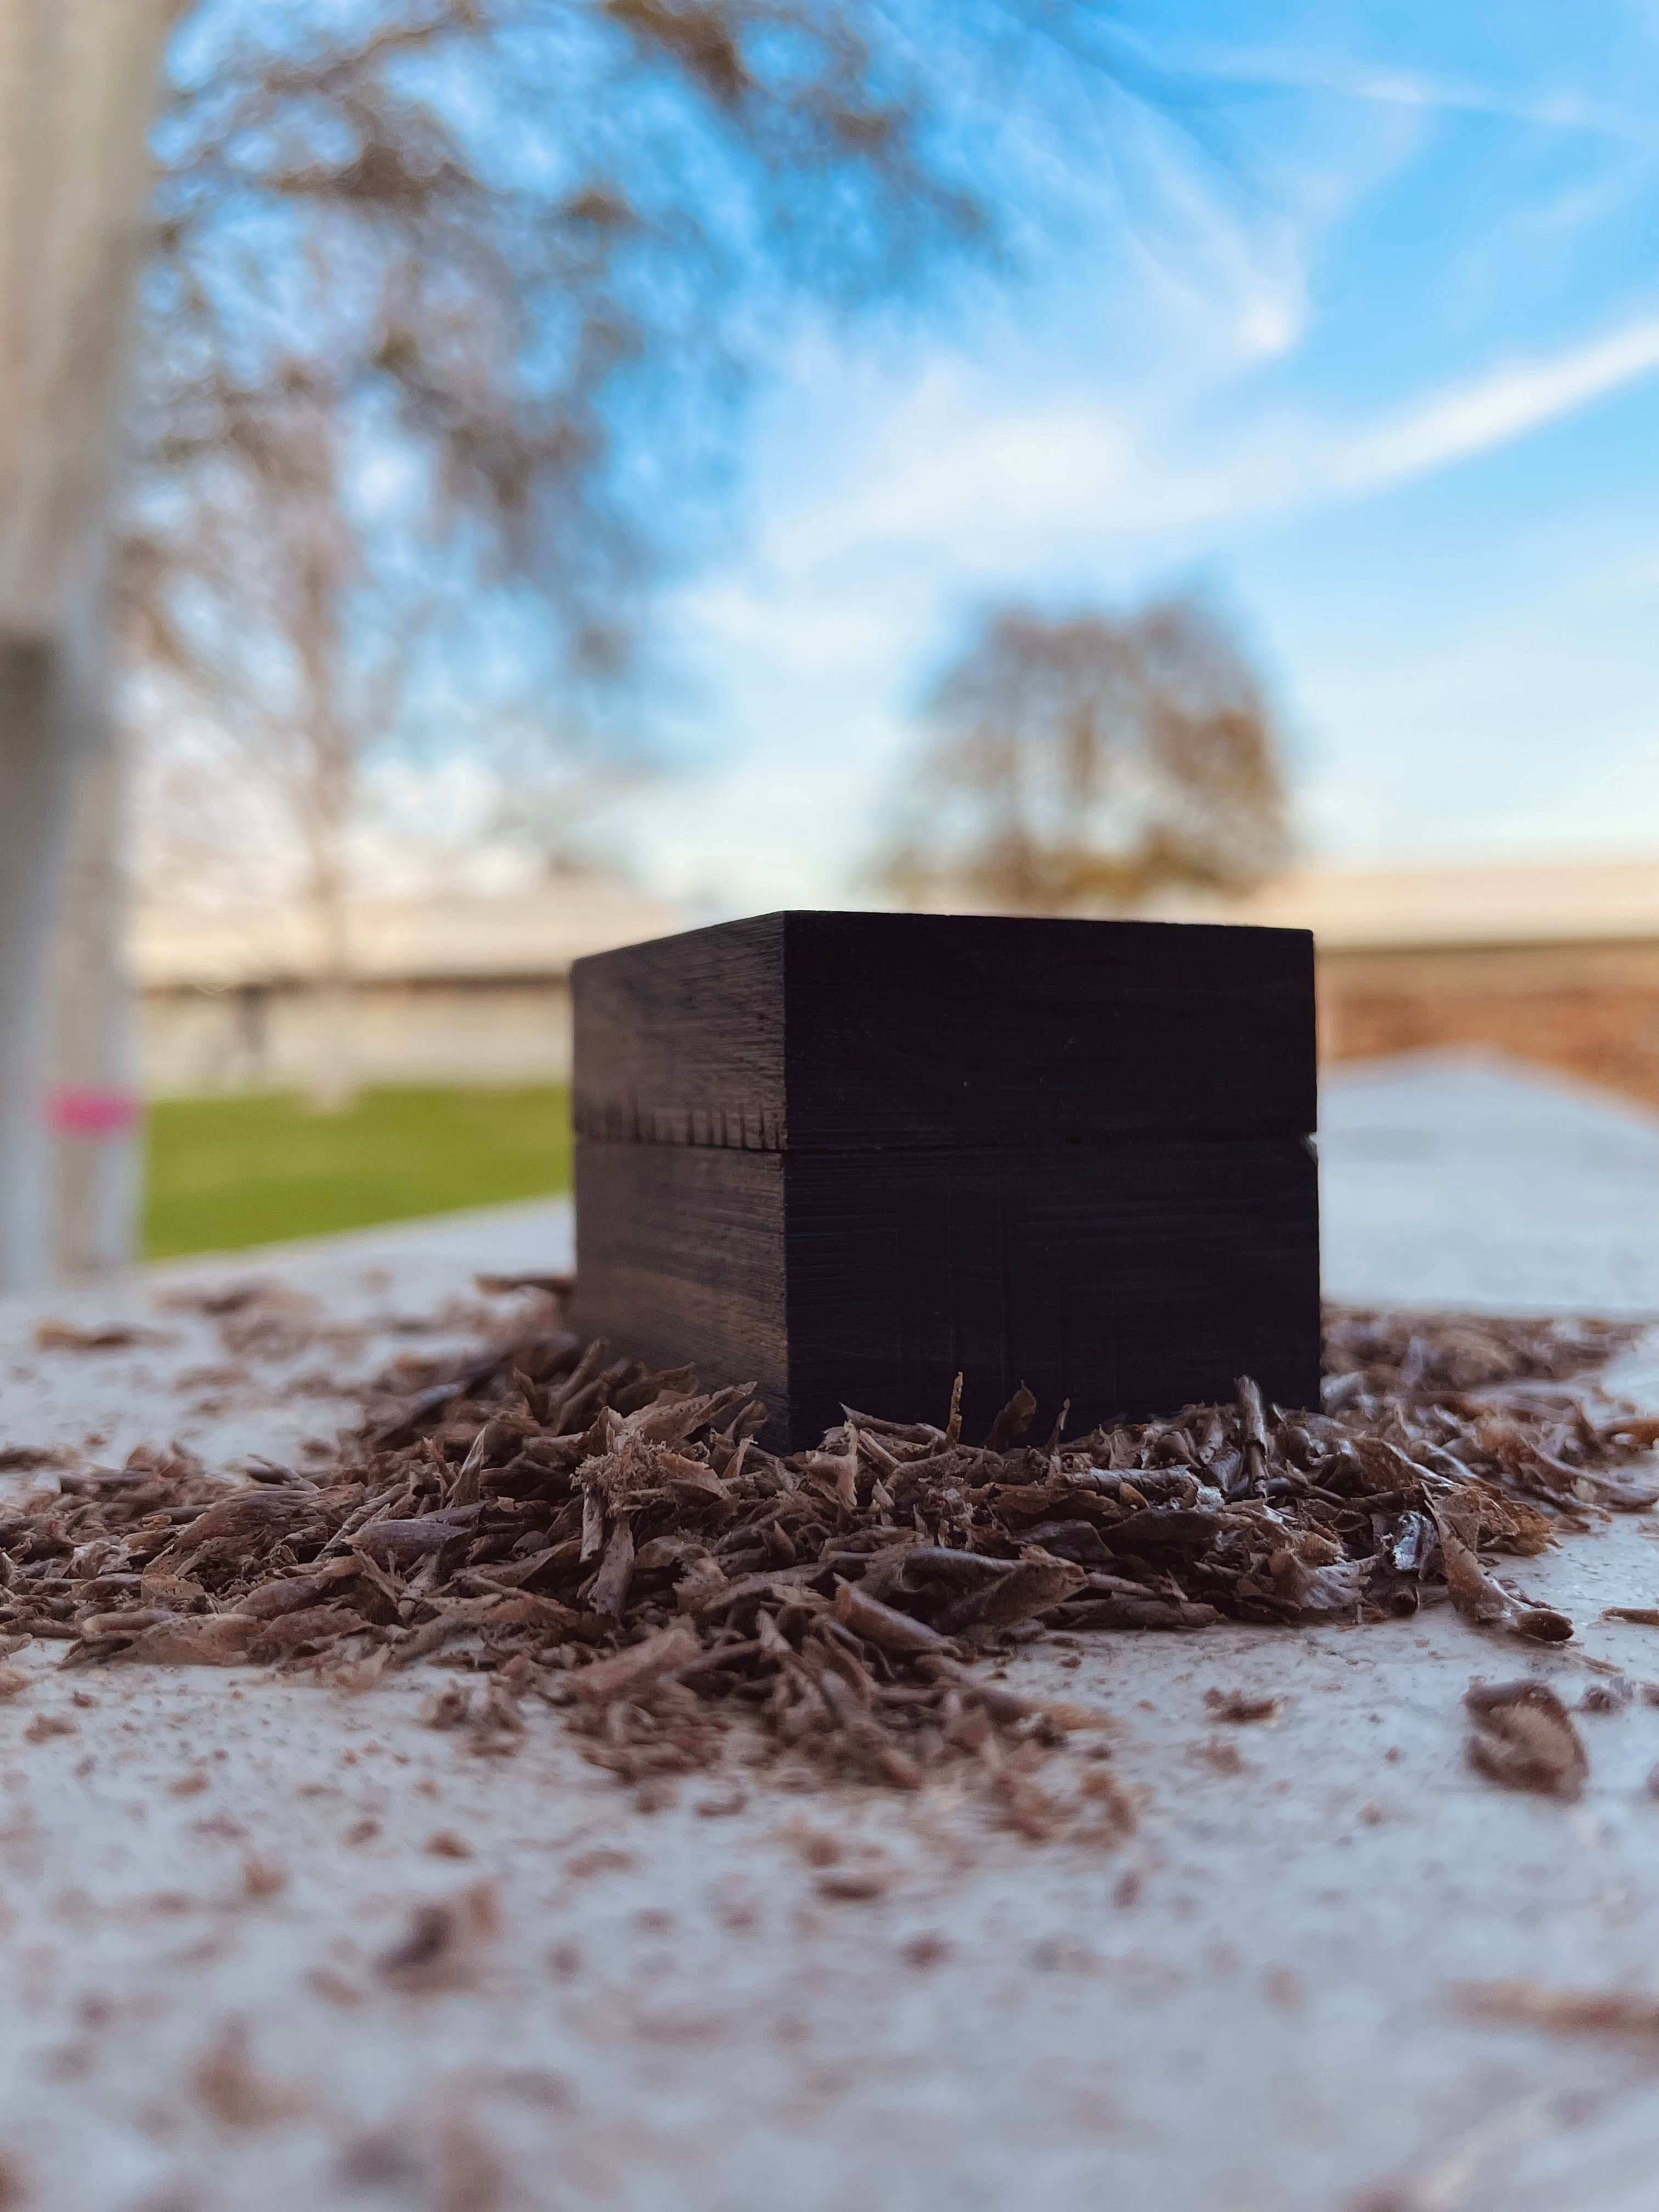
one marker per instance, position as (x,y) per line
(608,1538)
(1568,2012)
(1524,1738)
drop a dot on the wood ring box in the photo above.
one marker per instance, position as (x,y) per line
(850,1156)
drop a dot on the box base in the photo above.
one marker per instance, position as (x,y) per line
(1130,1279)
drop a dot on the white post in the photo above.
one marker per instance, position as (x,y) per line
(95,1114)
(77,81)
(37,783)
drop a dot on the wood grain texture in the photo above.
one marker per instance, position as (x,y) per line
(680,1041)
(840,1030)
(850,1156)
(1128,1279)
(922,1029)
(680,1257)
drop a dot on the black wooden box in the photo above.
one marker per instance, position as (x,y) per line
(848,1155)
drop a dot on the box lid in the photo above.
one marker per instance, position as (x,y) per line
(824,1031)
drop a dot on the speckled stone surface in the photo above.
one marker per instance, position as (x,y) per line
(1246,2007)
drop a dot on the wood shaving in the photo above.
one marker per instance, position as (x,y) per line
(855,1885)
(467,2175)
(1465,1351)
(443,1946)
(228,2085)
(1525,1738)
(263,1877)
(578,1530)
(333,1988)
(554,1287)
(1239,1707)
(927,1950)
(68,1336)
(1477,1595)
(1612,1696)
(1570,2012)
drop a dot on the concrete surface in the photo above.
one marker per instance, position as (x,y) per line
(1245,2009)
(1465,1179)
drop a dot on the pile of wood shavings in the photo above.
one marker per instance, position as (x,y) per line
(616,1540)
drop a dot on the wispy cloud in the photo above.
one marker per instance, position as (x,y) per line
(1376,85)
(1131,465)
(1505,402)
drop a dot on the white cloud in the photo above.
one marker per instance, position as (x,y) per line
(1269,326)
(1505,402)
(1022,473)
(1132,464)
(820,637)
(1377,85)
(773,830)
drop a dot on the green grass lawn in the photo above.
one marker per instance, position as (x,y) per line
(229,1172)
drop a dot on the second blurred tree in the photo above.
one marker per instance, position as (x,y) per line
(1090,762)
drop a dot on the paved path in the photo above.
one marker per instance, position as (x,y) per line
(1246,2009)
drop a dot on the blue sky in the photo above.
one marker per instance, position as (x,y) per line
(1367,346)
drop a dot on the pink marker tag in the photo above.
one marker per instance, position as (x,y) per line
(84,1111)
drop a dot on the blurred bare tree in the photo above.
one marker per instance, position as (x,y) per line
(1089,762)
(448,305)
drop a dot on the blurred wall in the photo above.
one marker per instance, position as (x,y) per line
(1559,965)
(1556,962)
(1590,1011)
(450,989)
(195,1040)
